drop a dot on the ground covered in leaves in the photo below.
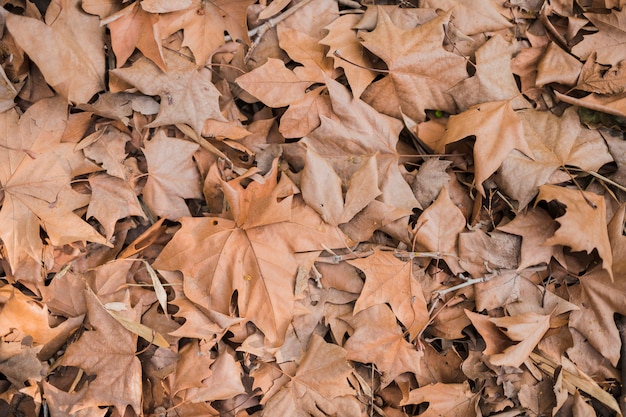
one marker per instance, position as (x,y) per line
(294,208)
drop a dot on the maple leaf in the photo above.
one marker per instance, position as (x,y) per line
(204,23)
(107,147)
(53,46)
(36,179)
(269,228)
(321,377)
(455,400)
(274,84)
(584,224)
(173,175)
(23,313)
(535,227)
(493,80)
(555,143)
(527,329)
(390,280)
(133,27)
(20,364)
(224,380)
(473,16)
(601,79)
(112,199)
(375,133)
(608,41)
(438,228)
(378,339)
(420,70)
(322,188)
(108,352)
(498,130)
(187,93)
(344,42)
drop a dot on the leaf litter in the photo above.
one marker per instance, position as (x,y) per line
(346,208)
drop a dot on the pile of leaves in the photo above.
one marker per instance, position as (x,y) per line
(247,208)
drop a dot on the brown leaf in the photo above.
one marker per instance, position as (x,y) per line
(601,79)
(274,84)
(493,80)
(36,179)
(108,352)
(498,130)
(112,199)
(133,27)
(266,244)
(187,93)
(554,142)
(584,224)
(437,229)
(607,41)
(420,70)
(343,41)
(321,377)
(535,227)
(390,280)
(172,176)
(204,23)
(456,400)
(53,46)
(378,339)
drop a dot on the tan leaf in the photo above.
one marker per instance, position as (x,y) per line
(274,84)
(378,339)
(498,130)
(557,66)
(584,224)
(173,176)
(187,93)
(527,329)
(224,380)
(456,400)
(108,352)
(321,377)
(420,70)
(133,27)
(343,41)
(437,229)
(601,79)
(112,199)
(390,280)
(204,23)
(607,41)
(535,227)
(265,273)
(74,37)
(493,80)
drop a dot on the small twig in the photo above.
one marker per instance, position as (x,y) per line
(337,53)
(260,31)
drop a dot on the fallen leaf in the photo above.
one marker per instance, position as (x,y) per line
(420,70)
(53,46)
(584,224)
(172,176)
(186,91)
(390,280)
(108,352)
